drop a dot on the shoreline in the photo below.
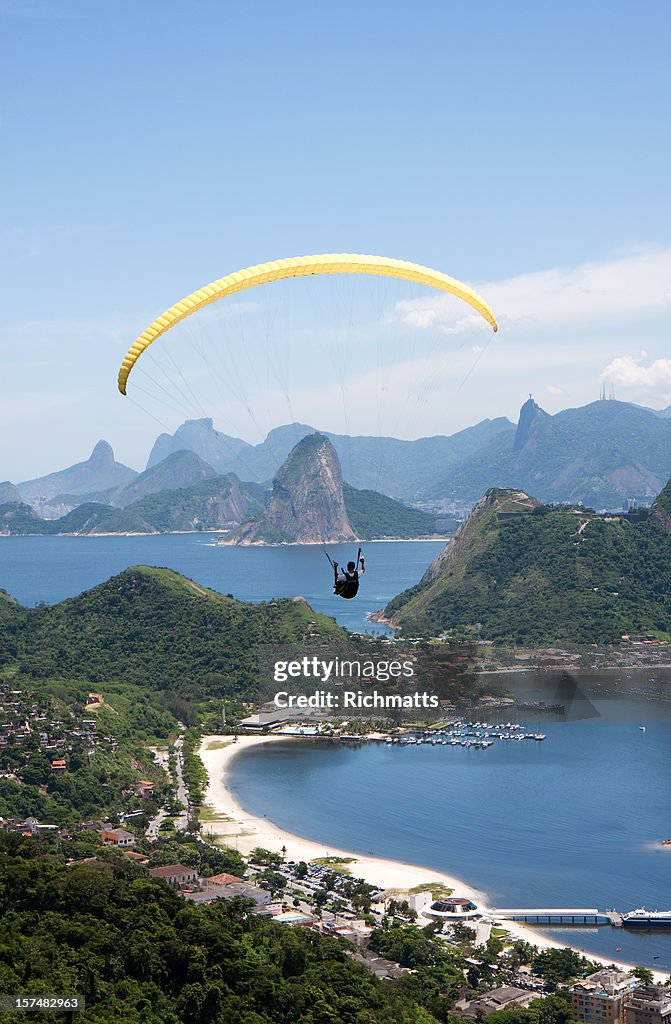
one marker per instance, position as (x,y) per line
(233,822)
(439,538)
(243,831)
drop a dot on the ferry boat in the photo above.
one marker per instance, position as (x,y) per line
(643,918)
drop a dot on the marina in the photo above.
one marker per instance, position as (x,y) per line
(457,733)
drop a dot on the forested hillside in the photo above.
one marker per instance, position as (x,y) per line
(156,628)
(374,515)
(531,574)
(137,952)
(102,761)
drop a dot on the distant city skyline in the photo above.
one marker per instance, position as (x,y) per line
(518,148)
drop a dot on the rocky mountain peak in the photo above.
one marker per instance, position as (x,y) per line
(306,505)
(530,414)
(102,454)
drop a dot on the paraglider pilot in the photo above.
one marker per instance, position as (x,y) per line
(346,581)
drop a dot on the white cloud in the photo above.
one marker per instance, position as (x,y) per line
(606,291)
(630,372)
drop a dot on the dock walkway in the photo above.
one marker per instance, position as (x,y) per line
(556,915)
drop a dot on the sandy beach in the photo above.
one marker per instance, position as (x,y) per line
(227,820)
(244,831)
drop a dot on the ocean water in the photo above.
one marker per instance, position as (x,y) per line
(574,821)
(34,569)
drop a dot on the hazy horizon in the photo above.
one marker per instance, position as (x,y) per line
(141,466)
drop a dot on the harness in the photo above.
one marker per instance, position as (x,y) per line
(348,587)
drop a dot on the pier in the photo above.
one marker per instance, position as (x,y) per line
(555,915)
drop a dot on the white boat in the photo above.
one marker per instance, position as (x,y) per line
(643,918)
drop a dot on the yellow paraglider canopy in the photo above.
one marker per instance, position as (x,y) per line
(298,266)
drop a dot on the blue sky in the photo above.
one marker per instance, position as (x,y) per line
(151,147)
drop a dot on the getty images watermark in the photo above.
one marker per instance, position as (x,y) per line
(426,681)
(334,676)
(357,680)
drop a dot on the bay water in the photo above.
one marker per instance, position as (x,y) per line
(573,821)
(35,569)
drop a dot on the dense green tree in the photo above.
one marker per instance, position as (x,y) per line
(154,628)
(559,965)
(644,975)
(139,953)
(272,880)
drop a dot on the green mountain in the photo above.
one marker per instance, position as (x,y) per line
(179,470)
(9,493)
(533,574)
(12,616)
(17,519)
(89,518)
(661,508)
(374,515)
(213,504)
(156,628)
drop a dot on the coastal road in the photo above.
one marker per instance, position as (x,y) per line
(155,823)
(179,785)
(182,820)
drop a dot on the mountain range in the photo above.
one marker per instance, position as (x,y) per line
(308,503)
(217,503)
(99,472)
(601,454)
